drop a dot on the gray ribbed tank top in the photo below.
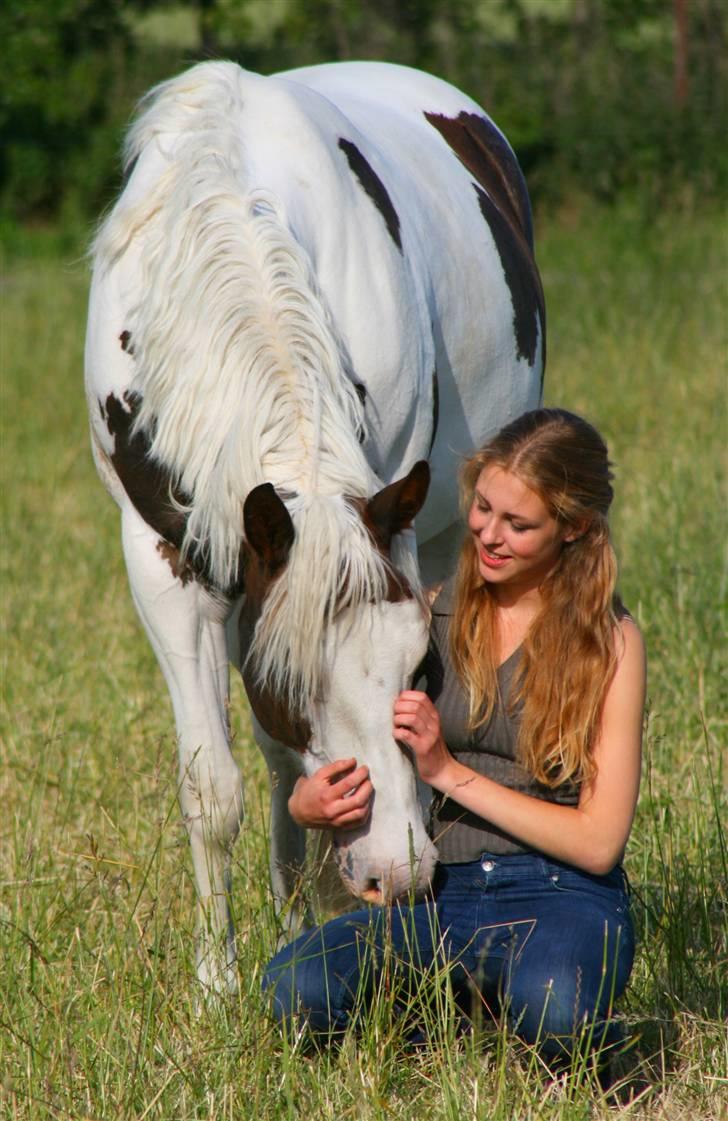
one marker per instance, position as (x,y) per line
(490,750)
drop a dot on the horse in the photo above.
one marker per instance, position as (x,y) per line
(316,291)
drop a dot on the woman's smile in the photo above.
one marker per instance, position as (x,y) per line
(493,560)
(518,540)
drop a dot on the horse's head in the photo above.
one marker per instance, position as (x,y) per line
(335,632)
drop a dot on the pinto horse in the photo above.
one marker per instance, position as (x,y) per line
(313,285)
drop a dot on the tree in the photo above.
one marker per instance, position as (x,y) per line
(62,61)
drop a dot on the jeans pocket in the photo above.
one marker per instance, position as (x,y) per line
(610,890)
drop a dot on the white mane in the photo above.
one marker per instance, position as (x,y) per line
(240,375)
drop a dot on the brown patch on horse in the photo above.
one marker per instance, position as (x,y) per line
(273,713)
(435,408)
(482,149)
(522,279)
(181,569)
(269,532)
(152,489)
(125,340)
(503,202)
(374,188)
(147,482)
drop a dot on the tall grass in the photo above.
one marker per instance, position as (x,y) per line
(97,988)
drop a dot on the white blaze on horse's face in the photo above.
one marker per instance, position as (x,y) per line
(372,654)
(324,681)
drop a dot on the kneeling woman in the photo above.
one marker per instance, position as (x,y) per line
(529,735)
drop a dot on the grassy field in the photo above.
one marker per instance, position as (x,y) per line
(97,990)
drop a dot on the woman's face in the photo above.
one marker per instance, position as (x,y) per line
(518,541)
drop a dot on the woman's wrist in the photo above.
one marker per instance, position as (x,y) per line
(452,777)
(445,776)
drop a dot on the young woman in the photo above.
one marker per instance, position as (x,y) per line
(530,736)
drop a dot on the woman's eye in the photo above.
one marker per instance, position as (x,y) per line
(519,528)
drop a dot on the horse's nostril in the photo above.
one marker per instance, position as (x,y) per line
(372,892)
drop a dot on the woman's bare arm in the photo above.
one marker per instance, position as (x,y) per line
(591,835)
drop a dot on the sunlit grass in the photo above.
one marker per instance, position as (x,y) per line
(97,990)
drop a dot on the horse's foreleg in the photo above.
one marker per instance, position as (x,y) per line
(186,627)
(287,840)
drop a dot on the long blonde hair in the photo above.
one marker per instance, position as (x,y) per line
(569,653)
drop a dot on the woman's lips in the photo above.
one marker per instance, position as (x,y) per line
(492,561)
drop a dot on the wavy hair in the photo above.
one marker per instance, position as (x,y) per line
(569,653)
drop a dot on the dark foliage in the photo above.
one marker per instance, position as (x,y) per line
(598,97)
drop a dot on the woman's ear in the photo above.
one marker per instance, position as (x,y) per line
(575,532)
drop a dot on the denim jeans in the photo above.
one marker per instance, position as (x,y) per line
(538,941)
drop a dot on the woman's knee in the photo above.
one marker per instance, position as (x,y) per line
(296,984)
(316,979)
(559,986)
(563,1014)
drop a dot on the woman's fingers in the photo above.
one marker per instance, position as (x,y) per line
(411,706)
(350,782)
(353,796)
(416,721)
(337,795)
(332,771)
(353,808)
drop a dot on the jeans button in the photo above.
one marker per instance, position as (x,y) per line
(488,865)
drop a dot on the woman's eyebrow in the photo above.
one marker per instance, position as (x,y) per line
(507,514)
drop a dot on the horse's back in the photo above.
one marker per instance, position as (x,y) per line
(466,234)
(410,207)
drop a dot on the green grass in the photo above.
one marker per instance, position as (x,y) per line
(97,990)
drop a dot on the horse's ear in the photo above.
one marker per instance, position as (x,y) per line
(396,506)
(268,527)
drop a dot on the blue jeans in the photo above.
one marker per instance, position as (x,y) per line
(538,941)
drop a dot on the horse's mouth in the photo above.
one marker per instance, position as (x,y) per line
(374,895)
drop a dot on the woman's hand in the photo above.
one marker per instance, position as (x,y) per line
(417,724)
(337,796)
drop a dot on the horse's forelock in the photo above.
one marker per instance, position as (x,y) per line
(333,565)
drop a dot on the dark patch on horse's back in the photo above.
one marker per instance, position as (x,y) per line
(503,201)
(522,279)
(373,187)
(361,392)
(126,345)
(435,408)
(482,149)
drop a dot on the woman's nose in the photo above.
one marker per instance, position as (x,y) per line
(489,530)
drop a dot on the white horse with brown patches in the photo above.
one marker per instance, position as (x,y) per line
(312,284)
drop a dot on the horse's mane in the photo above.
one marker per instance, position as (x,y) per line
(241,376)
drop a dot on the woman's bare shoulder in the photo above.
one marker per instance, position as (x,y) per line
(631,652)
